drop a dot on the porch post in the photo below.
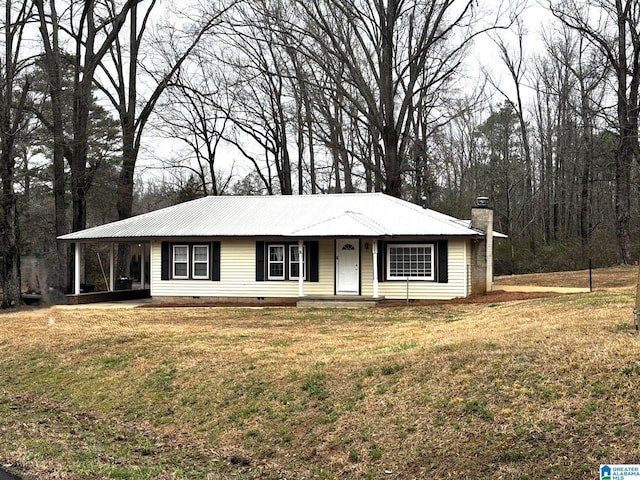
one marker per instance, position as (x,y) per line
(300,268)
(112,267)
(374,250)
(142,265)
(76,272)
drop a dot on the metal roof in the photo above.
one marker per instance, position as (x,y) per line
(344,215)
(467,223)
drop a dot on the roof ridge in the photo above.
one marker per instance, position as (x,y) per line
(370,222)
(373,227)
(297,195)
(434,214)
(357,216)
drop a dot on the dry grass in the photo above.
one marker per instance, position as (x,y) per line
(623,276)
(543,388)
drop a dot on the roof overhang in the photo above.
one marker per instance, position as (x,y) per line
(372,215)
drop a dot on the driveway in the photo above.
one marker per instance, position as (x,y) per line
(117,304)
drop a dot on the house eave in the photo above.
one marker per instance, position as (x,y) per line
(68,238)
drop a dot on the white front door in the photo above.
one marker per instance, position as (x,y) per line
(347,267)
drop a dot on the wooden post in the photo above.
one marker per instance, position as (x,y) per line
(143,266)
(112,267)
(76,262)
(300,268)
(374,250)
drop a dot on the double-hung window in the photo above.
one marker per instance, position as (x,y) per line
(284,262)
(281,261)
(181,261)
(276,259)
(200,262)
(190,261)
(410,262)
(295,262)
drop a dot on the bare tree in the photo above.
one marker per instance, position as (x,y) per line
(197,113)
(91,41)
(515,63)
(557,122)
(335,128)
(121,68)
(49,30)
(614,28)
(14,87)
(90,30)
(124,76)
(392,55)
(263,100)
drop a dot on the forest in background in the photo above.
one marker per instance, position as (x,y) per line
(269,97)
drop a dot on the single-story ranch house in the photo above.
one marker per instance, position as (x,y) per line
(243,248)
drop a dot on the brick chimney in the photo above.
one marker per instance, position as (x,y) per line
(482,248)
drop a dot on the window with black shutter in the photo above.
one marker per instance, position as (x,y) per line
(190,261)
(277,261)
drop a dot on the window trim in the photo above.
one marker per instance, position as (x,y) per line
(174,262)
(168,257)
(430,246)
(207,275)
(283,262)
(311,260)
(290,262)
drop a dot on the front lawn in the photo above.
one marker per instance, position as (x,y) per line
(529,389)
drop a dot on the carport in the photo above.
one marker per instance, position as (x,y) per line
(124,288)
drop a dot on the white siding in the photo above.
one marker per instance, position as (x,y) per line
(421,290)
(238,272)
(238,275)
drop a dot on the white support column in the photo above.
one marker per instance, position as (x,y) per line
(112,267)
(374,250)
(142,265)
(300,268)
(76,272)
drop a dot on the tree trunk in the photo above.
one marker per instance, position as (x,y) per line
(628,129)
(392,160)
(585,218)
(309,128)
(57,279)
(9,228)
(393,172)
(587,153)
(124,201)
(343,157)
(622,201)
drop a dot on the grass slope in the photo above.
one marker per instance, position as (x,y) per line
(544,388)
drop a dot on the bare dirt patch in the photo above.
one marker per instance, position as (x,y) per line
(495,296)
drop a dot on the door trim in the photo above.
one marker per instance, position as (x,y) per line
(356,243)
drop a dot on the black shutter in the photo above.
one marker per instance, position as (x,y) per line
(313,249)
(165,260)
(259,261)
(443,262)
(214,263)
(382,261)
